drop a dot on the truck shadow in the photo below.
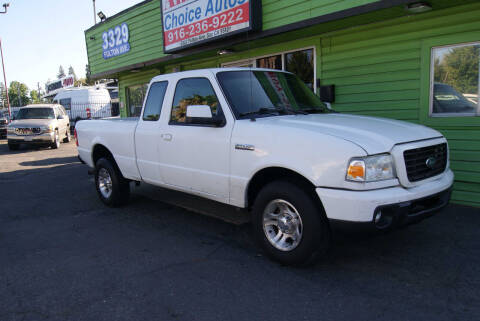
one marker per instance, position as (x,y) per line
(52,161)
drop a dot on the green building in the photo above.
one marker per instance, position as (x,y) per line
(409,60)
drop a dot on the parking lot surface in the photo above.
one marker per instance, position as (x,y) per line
(65,256)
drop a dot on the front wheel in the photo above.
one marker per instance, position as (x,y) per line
(289,224)
(56,141)
(112,188)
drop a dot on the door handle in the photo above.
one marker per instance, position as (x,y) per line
(167,137)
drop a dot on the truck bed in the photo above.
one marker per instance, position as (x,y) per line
(116,133)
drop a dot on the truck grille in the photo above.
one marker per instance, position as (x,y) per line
(28,131)
(425,162)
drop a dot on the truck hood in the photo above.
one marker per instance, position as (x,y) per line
(374,135)
(31,122)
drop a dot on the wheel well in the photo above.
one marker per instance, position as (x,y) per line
(100,151)
(267,175)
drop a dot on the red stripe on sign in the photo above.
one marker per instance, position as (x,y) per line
(225,19)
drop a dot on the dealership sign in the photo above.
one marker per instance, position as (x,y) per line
(115,41)
(65,82)
(190,22)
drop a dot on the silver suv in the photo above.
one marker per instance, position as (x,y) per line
(44,124)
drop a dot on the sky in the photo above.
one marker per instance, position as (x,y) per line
(40,35)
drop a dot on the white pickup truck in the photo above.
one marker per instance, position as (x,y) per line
(260,139)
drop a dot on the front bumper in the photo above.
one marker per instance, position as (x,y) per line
(404,205)
(45,138)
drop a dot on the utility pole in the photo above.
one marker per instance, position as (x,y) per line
(94,14)
(5,79)
(38,93)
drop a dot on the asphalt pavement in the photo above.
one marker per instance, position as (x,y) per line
(65,256)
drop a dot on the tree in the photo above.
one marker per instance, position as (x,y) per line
(72,72)
(18,94)
(61,72)
(35,96)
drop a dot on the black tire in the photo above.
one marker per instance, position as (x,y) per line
(12,146)
(315,230)
(56,142)
(120,187)
(68,136)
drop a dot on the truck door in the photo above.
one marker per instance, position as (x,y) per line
(147,134)
(196,156)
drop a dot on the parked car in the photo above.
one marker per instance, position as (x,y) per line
(45,124)
(85,102)
(261,139)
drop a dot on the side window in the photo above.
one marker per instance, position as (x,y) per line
(193,91)
(66,102)
(154,103)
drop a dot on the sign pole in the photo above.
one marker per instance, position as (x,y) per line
(5,81)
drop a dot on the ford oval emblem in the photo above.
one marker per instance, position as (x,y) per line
(430,162)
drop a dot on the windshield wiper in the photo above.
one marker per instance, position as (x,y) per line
(261,111)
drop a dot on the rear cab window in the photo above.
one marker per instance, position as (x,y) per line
(153,105)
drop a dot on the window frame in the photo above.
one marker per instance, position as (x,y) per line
(282,55)
(432,83)
(175,123)
(425,72)
(146,99)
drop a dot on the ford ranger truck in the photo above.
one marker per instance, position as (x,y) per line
(261,139)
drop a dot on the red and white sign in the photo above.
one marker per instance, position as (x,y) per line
(188,22)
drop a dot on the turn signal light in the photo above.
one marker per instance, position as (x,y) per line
(356,171)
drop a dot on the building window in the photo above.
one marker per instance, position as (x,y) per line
(454,80)
(272,62)
(135,97)
(300,62)
(193,91)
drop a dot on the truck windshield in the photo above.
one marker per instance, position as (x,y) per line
(267,93)
(35,113)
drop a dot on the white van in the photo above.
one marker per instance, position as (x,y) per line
(85,102)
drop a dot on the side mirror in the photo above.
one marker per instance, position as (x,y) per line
(60,117)
(202,115)
(199,111)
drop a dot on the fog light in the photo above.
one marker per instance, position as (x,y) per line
(383,219)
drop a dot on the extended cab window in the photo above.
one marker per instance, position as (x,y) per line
(193,91)
(154,103)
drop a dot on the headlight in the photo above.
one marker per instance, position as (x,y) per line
(11,130)
(47,129)
(371,168)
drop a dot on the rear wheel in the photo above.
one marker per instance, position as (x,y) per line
(289,224)
(13,146)
(56,142)
(112,188)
